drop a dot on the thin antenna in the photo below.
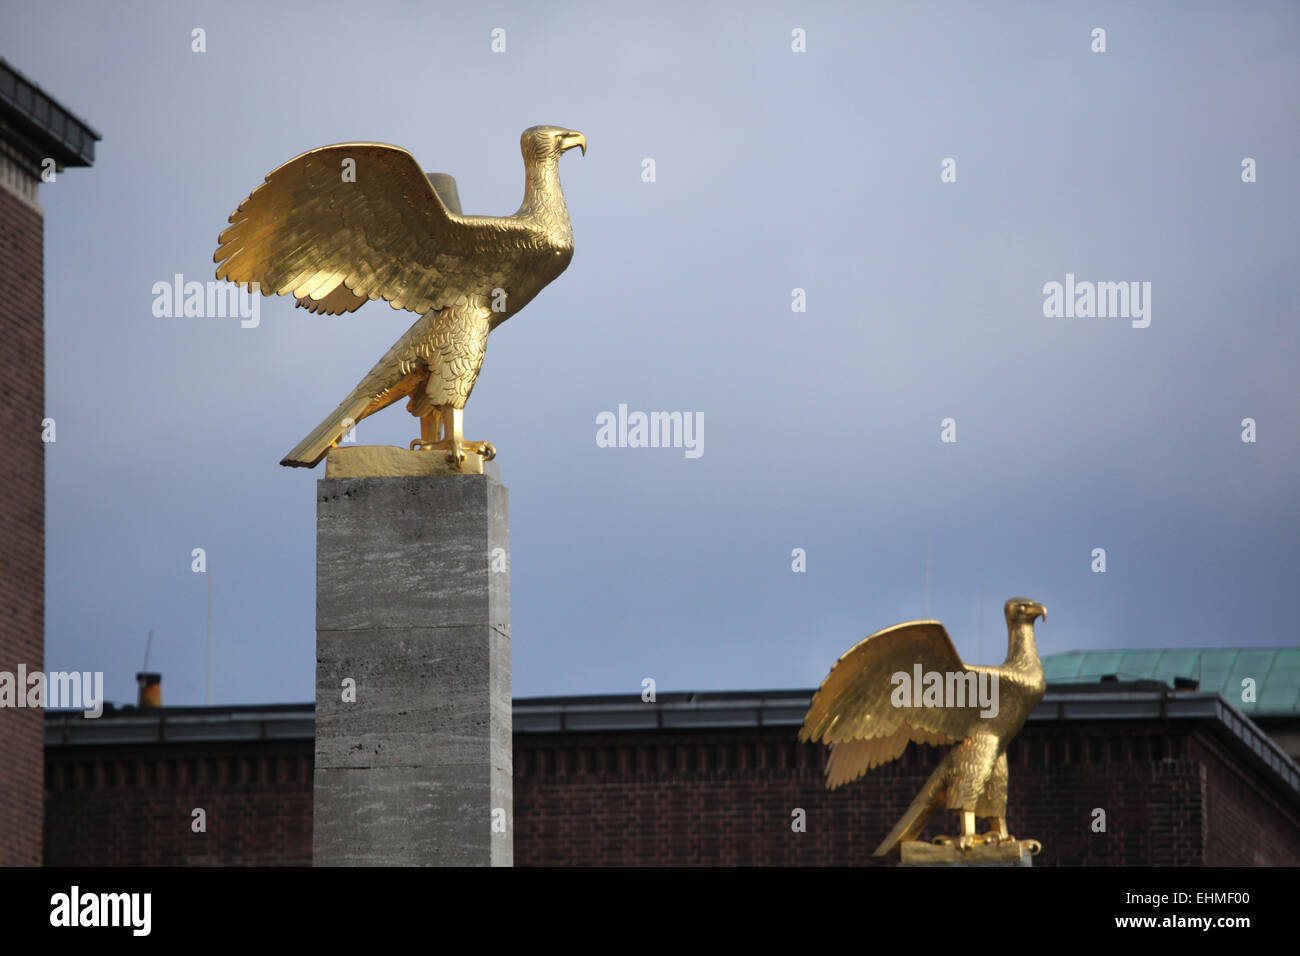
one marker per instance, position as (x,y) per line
(928,536)
(148,646)
(981,649)
(208,697)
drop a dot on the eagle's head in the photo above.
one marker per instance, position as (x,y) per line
(543,144)
(1023,611)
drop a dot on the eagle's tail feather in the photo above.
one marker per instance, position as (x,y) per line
(314,447)
(394,377)
(913,821)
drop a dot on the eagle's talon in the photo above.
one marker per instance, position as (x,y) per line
(969,841)
(456,450)
(963,843)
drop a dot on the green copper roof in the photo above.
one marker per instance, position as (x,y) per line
(1275,670)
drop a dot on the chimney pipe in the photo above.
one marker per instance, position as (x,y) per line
(150,690)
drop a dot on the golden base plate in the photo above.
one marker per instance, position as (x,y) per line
(1012,852)
(389,461)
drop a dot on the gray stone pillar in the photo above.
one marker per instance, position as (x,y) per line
(413,604)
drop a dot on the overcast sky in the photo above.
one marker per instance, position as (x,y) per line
(774,170)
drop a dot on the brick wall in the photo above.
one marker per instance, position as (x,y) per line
(1137,781)
(1171,797)
(22,518)
(1245,828)
(133,805)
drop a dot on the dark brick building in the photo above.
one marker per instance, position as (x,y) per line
(35,134)
(122,789)
(1183,778)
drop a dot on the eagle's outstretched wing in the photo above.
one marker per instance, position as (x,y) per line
(854,709)
(343,299)
(339,240)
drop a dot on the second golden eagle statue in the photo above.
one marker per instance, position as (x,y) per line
(341,225)
(906,684)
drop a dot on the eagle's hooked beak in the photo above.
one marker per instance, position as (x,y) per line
(1037,610)
(571,139)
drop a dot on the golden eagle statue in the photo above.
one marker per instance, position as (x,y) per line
(341,225)
(869,708)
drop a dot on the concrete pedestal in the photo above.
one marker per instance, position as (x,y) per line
(413,767)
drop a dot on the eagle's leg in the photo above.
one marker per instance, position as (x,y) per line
(430,430)
(993,804)
(453,420)
(968,836)
(442,429)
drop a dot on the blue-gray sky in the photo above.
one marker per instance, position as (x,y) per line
(775,170)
